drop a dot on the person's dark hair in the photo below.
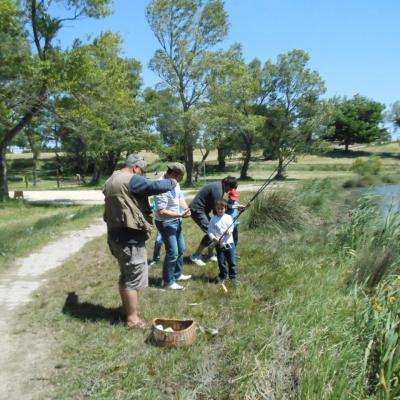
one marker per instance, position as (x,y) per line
(230,181)
(220,203)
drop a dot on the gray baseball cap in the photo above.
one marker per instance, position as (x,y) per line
(135,160)
(177,167)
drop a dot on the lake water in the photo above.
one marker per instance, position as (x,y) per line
(390,195)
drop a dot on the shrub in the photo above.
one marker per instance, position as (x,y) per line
(389,179)
(362,181)
(15,178)
(372,166)
(276,211)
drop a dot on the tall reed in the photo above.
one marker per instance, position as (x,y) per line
(277,212)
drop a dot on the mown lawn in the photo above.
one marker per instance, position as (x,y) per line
(285,329)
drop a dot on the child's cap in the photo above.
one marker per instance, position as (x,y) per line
(233,195)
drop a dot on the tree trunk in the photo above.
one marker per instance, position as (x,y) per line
(221,158)
(188,149)
(111,162)
(280,174)
(10,135)
(246,161)
(96,173)
(35,154)
(204,156)
(3,174)
(189,162)
(34,175)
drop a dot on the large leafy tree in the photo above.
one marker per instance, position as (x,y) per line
(34,74)
(186,31)
(291,105)
(356,120)
(270,106)
(167,119)
(233,110)
(99,113)
(164,110)
(15,78)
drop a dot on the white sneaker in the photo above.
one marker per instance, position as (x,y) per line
(174,286)
(213,258)
(197,260)
(184,277)
(152,263)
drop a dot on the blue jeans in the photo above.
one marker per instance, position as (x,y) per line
(157,247)
(172,236)
(227,256)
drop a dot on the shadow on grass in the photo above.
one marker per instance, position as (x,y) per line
(91,312)
(387,154)
(341,153)
(155,282)
(205,278)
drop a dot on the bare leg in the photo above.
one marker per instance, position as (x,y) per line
(130,301)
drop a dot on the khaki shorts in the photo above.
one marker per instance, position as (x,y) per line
(132,260)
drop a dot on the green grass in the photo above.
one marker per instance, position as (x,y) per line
(290,328)
(24,227)
(286,329)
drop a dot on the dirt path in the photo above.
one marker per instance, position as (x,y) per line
(23,357)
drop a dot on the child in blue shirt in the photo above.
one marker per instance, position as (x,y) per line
(232,209)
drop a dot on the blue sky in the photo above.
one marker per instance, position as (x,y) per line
(353,44)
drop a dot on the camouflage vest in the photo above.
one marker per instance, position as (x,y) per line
(123,209)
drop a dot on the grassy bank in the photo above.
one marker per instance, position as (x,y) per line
(286,329)
(25,227)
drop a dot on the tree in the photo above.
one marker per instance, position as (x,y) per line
(15,63)
(164,109)
(394,114)
(356,120)
(218,130)
(233,111)
(291,104)
(35,76)
(186,31)
(99,110)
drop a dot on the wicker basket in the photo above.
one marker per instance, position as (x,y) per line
(184,332)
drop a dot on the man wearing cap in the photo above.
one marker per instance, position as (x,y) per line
(171,208)
(127,213)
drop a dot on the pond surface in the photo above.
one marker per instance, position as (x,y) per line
(390,196)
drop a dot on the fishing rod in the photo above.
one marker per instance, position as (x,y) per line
(259,191)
